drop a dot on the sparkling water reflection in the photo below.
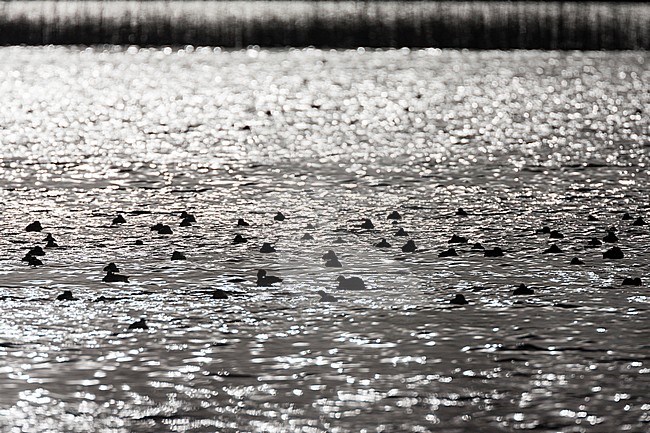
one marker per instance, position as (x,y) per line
(520,140)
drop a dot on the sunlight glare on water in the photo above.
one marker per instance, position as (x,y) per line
(520,140)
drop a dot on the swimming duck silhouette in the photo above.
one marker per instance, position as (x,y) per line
(544,230)
(382,244)
(325,297)
(119,219)
(329,255)
(177,255)
(307,237)
(310,226)
(610,238)
(639,222)
(156,227)
(367,224)
(594,243)
(592,218)
(628,281)
(556,235)
(401,232)
(37,251)
(494,252)
(394,215)
(461,212)
(112,277)
(267,248)
(34,227)
(49,237)
(553,249)
(264,280)
(523,290)
(455,239)
(451,252)
(51,244)
(140,324)
(165,230)
(66,296)
(626,216)
(459,300)
(333,263)
(352,283)
(139,242)
(112,267)
(242,223)
(188,216)
(32,261)
(239,239)
(577,261)
(219,294)
(185,223)
(478,246)
(613,253)
(279,217)
(409,246)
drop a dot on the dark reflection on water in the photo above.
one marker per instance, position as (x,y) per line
(519,140)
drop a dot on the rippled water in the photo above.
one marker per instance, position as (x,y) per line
(518,139)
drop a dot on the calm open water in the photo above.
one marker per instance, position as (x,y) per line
(518,139)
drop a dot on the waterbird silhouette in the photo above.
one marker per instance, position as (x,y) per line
(279,217)
(139,242)
(409,246)
(459,300)
(523,290)
(34,227)
(626,217)
(553,249)
(264,280)
(461,212)
(49,237)
(455,239)
(544,230)
(156,227)
(352,283)
(401,232)
(555,234)
(394,215)
(119,219)
(382,244)
(478,246)
(239,239)
(188,216)
(325,297)
(639,222)
(307,237)
(165,230)
(592,218)
(333,263)
(37,251)
(112,267)
(613,253)
(112,277)
(185,223)
(242,223)
(140,324)
(494,252)
(177,255)
(219,294)
(577,261)
(451,252)
(329,255)
(267,248)
(594,243)
(367,224)
(628,281)
(310,226)
(610,238)
(32,261)
(66,296)
(51,244)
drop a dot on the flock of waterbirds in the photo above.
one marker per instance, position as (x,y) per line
(331,259)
